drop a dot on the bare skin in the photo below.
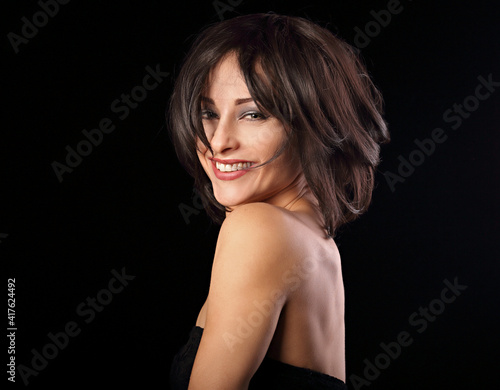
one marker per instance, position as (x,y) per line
(274,269)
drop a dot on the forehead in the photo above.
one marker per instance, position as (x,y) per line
(226,79)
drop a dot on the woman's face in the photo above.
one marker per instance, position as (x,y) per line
(240,135)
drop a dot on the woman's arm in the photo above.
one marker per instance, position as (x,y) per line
(248,289)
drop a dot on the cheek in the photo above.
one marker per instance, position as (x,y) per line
(288,163)
(267,141)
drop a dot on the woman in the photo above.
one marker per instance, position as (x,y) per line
(279,124)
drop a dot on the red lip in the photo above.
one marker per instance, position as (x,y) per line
(228,175)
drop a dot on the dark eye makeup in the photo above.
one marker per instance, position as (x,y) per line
(208,114)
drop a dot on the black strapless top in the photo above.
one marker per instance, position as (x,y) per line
(272,374)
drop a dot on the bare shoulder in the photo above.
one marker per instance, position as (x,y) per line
(258,227)
(268,227)
(255,239)
(256,217)
(272,243)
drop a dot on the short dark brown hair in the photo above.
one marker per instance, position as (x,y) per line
(314,83)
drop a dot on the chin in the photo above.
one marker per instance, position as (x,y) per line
(230,198)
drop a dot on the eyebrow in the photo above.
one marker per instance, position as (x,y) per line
(236,102)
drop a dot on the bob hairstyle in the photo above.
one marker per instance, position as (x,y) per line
(313,83)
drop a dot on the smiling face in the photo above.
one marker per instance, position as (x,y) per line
(240,136)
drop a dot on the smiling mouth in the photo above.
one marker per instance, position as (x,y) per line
(232,167)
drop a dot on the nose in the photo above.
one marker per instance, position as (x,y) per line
(224,136)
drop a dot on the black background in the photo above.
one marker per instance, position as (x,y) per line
(120,206)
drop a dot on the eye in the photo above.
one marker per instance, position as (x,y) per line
(208,114)
(254,116)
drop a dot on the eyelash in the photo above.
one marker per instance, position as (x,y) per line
(213,115)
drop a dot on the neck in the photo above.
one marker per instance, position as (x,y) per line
(290,196)
(294,197)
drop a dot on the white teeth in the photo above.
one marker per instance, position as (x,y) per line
(231,168)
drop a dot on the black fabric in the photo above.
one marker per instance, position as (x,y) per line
(272,374)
